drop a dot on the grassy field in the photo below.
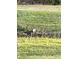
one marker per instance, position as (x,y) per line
(50,8)
(36,47)
(41,57)
(43,18)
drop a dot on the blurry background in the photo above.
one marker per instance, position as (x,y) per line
(42,15)
(44,2)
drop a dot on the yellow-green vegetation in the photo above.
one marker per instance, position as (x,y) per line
(38,41)
(41,57)
(35,46)
(42,17)
(50,8)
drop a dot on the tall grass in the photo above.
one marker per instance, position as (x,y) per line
(38,46)
(42,20)
(41,57)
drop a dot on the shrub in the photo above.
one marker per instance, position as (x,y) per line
(52,2)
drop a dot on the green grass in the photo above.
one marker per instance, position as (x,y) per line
(38,46)
(50,8)
(41,57)
(43,18)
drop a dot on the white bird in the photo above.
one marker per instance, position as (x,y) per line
(34,30)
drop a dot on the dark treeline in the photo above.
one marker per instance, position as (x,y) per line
(43,2)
